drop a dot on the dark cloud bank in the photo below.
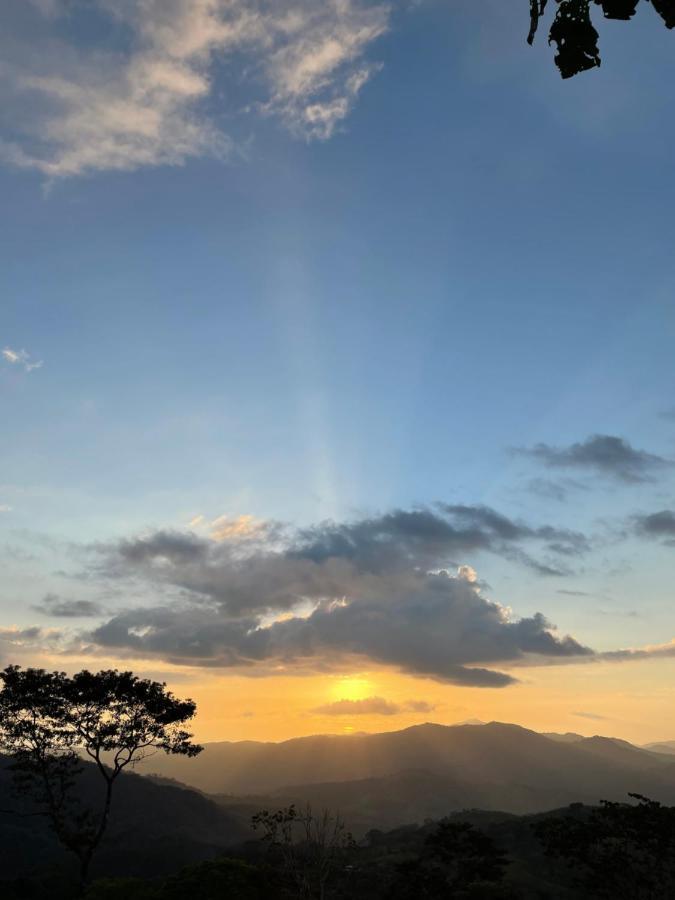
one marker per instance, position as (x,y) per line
(376,589)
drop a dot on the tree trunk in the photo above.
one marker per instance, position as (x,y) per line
(87,856)
(85,862)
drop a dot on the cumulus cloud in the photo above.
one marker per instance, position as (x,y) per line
(376,589)
(277,568)
(601,453)
(468,573)
(431,625)
(429,537)
(371,706)
(22,359)
(60,607)
(150,99)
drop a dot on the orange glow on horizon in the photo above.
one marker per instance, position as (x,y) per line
(631,700)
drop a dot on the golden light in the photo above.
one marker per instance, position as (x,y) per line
(351,688)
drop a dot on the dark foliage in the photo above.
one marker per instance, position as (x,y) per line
(49,722)
(619,850)
(213,880)
(457,860)
(308,846)
(573,32)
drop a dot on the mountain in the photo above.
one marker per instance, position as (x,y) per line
(667,747)
(430,770)
(569,737)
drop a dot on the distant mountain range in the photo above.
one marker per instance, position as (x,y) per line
(376,781)
(428,770)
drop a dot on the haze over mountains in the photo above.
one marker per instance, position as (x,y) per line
(429,770)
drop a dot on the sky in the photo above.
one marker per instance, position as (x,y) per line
(336,362)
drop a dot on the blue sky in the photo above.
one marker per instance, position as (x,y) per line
(249,313)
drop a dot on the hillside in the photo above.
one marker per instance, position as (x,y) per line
(154,829)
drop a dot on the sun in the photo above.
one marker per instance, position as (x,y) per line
(351,687)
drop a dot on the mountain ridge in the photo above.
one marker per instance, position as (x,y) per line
(497,765)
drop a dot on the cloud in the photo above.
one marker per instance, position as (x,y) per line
(590,715)
(601,453)
(468,573)
(654,651)
(371,706)
(420,706)
(151,98)
(276,568)
(430,625)
(376,589)
(28,645)
(4,508)
(659,525)
(554,490)
(19,636)
(428,537)
(21,358)
(53,605)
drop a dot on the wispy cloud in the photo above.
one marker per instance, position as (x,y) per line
(151,100)
(595,717)
(22,359)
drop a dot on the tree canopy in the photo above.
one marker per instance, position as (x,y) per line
(574,34)
(50,722)
(617,850)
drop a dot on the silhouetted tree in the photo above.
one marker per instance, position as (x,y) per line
(50,722)
(458,860)
(617,850)
(310,845)
(574,35)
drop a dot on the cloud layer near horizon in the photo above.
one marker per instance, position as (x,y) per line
(143,95)
(376,589)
